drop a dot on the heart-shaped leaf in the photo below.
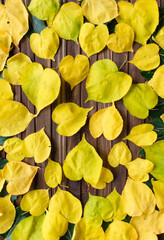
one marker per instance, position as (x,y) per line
(73,70)
(142,135)
(105,177)
(140,98)
(157,82)
(140,17)
(70,118)
(6,92)
(41,86)
(45,44)
(14,19)
(104,80)
(159,38)
(122,40)
(93,39)
(5,43)
(158,188)
(15,66)
(83,162)
(108,122)
(68,21)
(147,57)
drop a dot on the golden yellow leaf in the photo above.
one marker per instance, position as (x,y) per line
(6,92)
(157,82)
(121,230)
(70,118)
(15,66)
(162,117)
(117,204)
(35,202)
(68,21)
(41,86)
(37,145)
(14,19)
(158,188)
(159,38)
(44,10)
(148,225)
(54,226)
(7,214)
(139,169)
(83,162)
(14,118)
(137,198)
(108,122)
(142,17)
(122,40)
(45,44)
(20,176)
(93,39)
(143,97)
(73,70)
(142,135)
(105,177)
(98,209)
(83,230)
(2,180)
(14,147)
(119,154)
(65,204)
(147,57)
(53,174)
(104,80)
(5,43)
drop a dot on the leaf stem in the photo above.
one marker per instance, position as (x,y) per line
(123,64)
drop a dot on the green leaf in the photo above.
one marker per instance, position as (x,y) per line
(2,163)
(142,152)
(2,140)
(111,26)
(158,110)
(69,234)
(147,75)
(158,127)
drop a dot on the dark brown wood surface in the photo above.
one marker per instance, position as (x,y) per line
(62,145)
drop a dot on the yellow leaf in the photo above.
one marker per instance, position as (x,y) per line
(118,207)
(2,180)
(14,118)
(142,135)
(137,198)
(143,97)
(5,43)
(105,177)
(20,176)
(147,57)
(119,154)
(83,162)
(73,70)
(65,204)
(139,169)
(142,17)
(6,92)
(14,147)
(108,122)
(83,230)
(93,39)
(53,174)
(157,82)
(122,40)
(41,86)
(97,210)
(35,202)
(158,188)
(37,145)
(14,19)
(7,214)
(148,225)
(68,21)
(121,230)
(104,80)
(162,117)
(70,118)
(54,226)
(159,38)
(45,44)
(15,66)
(29,228)
(44,10)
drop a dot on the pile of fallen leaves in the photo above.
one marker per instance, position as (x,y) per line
(136,214)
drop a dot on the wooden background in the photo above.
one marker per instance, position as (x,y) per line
(62,145)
